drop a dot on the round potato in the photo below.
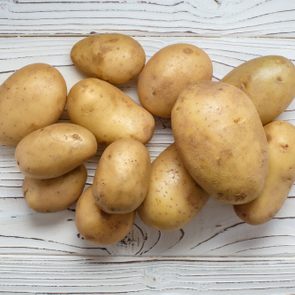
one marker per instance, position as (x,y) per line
(122,176)
(269,81)
(56,194)
(280,177)
(115,58)
(173,198)
(168,72)
(54,150)
(108,112)
(221,141)
(98,226)
(32,98)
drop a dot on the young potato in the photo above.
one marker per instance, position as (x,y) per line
(31,98)
(168,72)
(98,226)
(108,112)
(122,176)
(269,81)
(56,194)
(221,141)
(173,198)
(280,177)
(116,58)
(54,150)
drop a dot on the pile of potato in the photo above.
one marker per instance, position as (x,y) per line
(227,144)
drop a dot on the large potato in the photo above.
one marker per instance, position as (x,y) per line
(168,72)
(116,58)
(54,150)
(51,195)
(173,198)
(269,81)
(280,177)
(32,98)
(221,141)
(108,112)
(122,176)
(98,226)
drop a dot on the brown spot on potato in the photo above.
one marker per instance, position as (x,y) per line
(279,79)
(284,146)
(237,120)
(76,136)
(187,50)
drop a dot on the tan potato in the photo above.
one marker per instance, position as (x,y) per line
(221,141)
(51,195)
(122,176)
(168,72)
(115,58)
(108,112)
(98,226)
(173,198)
(280,177)
(31,98)
(54,150)
(269,81)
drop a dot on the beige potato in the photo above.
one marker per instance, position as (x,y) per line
(221,141)
(31,98)
(168,72)
(122,176)
(269,81)
(98,226)
(54,150)
(115,58)
(51,195)
(108,112)
(280,177)
(173,198)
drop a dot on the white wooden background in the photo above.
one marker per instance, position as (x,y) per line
(216,253)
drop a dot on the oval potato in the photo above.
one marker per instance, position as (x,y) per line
(54,150)
(31,98)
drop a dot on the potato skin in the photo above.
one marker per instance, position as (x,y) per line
(31,98)
(173,198)
(108,112)
(221,141)
(115,58)
(98,226)
(168,72)
(54,150)
(269,81)
(122,176)
(280,177)
(56,194)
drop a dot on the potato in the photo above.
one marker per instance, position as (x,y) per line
(108,112)
(173,198)
(51,195)
(54,150)
(116,58)
(32,98)
(98,226)
(122,176)
(168,72)
(280,177)
(269,81)
(221,141)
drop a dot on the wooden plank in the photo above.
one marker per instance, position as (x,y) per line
(142,18)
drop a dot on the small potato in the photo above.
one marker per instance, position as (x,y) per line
(173,198)
(115,58)
(51,195)
(281,175)
(122,176)
(54,150)
(269,81)
(98,226)
(108,112)
(168,72)
(31,98)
